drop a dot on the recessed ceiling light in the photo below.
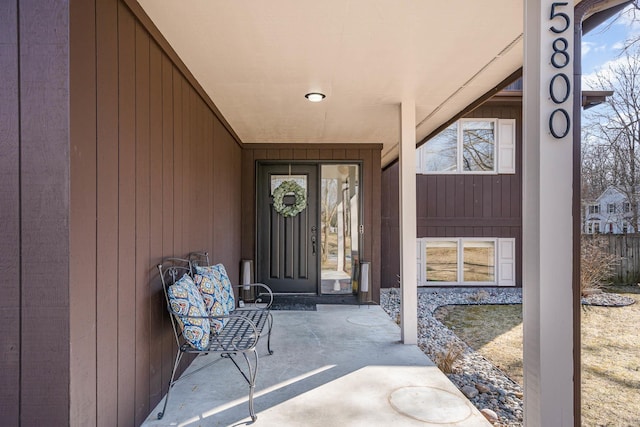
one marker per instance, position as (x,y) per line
(315,96)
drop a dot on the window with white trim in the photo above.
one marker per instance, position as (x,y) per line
(594,209)
(472,146)
(593,227)
(466,261)
(611,208)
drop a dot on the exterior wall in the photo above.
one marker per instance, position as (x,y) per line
(34,217)
(369,155)
(10,304)
(160,174)
(111,160)
(458,205)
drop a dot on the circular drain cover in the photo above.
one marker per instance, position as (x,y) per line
(430,404)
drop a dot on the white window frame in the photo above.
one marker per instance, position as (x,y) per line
(611,208)
(592,226)
(594,209)
(504,150)
(504,256)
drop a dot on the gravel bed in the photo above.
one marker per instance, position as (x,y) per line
(606,299)
(487,387)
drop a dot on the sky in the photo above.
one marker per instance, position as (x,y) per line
(604,43)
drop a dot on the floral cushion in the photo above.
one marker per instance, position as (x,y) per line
(212,297)
(185,299)
(221,279)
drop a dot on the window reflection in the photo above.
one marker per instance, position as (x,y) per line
(441,152)
(339,223)
(442,261)
(479,261)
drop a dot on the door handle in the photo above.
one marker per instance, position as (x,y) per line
(314,229)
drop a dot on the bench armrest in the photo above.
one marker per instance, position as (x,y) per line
(262,290)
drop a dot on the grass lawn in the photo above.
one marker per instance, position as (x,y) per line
(610,352)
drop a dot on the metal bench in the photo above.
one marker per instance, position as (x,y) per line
(238,337)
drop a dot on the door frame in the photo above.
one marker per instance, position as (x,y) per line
(318,164)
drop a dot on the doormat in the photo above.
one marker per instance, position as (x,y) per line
(308,302)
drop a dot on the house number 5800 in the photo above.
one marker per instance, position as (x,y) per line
(560,85)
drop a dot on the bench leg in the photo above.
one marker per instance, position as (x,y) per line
(171,382)
(269,324)
(253,371)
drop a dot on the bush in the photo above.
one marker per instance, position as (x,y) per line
(596,264)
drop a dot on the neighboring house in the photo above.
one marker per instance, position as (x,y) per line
(610,213)
(469,200)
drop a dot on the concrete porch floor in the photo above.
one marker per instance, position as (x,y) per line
(341,365)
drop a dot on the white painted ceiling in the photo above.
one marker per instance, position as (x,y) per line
(257,59)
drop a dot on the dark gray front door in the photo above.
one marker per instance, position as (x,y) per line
(288,247)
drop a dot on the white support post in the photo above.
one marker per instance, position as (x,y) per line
(408,276)
(547,214)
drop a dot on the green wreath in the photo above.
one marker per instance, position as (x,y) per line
(285,188)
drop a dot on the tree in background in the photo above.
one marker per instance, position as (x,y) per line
(631,14)
(611,135)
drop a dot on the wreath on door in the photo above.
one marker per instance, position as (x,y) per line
(289,187)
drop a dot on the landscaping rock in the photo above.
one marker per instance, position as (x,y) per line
(469,391)
(606,299)
(505,395)
(491,416)
(482,388)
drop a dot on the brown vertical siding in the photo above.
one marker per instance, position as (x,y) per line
(168,126)
(126,215)
(390,231)
(142,237)
(111,160)
(226,161)
(44,208)
(107,211)
(156,325)
(458,205)
(43,193)
(9,215)
(248,204)
(368,155)
(160,175)
(82,271)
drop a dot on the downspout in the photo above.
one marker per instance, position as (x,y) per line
(580,28)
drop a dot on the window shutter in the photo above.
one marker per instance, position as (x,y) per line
(506,146)
(507,262)
(421,246)
(419,160)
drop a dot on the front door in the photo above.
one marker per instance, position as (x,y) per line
(288,245)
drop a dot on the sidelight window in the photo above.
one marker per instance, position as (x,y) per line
(339,227)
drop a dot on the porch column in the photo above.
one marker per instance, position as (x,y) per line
(408,276)
(547,214)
